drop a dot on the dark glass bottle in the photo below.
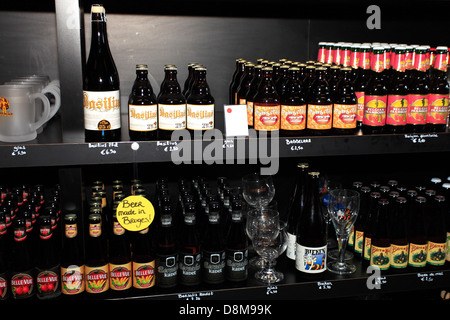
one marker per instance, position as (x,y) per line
(345,105)
(48,262)
(142,107)
(439,93)
(96,267)
(358,238)
(320,105)
(252,91)
(236,252)
(295,209)
(437,234)
(4,257)
(280,83)
(417,255)
(244,86)
(311,246)
(375,95)
(416,118)
(293,105)
(397,103)
(236,80)
(310,75)
(360,82)
(380,242)
(200,103)
(171,105)
(101,85)
(190,78)
(369,226)
(399,236)
(266,104)
(333,78)
(166,253)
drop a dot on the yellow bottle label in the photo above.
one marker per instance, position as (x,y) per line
(399,256)
(267,118)
(250,113)
(143,275)
(367,242)
(72,280)
(379,257)
(359,241)
(436,253)
(351,238)
(417,255)
(97,279)
(319,117)
(120,276)
(447,248)
(293,117)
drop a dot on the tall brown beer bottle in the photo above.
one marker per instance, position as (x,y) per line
(101,85)
(142,107)
(166,252)
(360,82)
(190,250)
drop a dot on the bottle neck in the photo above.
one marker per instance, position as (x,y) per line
(99,36)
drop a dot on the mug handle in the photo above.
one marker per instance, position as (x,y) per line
(53,107)
(45,114)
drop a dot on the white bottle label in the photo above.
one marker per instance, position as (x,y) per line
(311,260)
(143,117)
(101,110)
(172,116)
(200,116)
(291,246)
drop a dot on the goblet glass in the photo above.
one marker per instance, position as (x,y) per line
(343,208)
(258,190)
(250,229)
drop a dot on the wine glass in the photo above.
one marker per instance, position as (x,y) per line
(250,228)
(258,190)
(343,207)
(269,241)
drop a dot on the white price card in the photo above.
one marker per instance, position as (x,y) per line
(235,120)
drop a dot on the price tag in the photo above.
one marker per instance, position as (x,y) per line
(135,213)
(236,124)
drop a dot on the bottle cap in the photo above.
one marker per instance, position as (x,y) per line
(97,8)
(141,67)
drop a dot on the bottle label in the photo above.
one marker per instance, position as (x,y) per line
(374,110)
(399,256)
(437,108)
(291,245)
(97,279)
(319,117)
(47,281)
(311,260)
(118,230)
(143,117)
(379,257)
(396,110)
(101,110)
(447,248)
(250,113)
(167,270)
(143,274)
(351,237)
(360,110)
(190,268)
(95,230)
(359,241)
(72,280)
(22,285)
(4,288)
(436,253)
(267,118)
(367,244)
(293,117)
(417,109)
(213,266)
(344,116)
(172,116)
(417,255)
(120,276)
(200,116)
(71,231)
(236,264)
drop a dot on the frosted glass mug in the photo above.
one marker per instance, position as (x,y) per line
(18,121)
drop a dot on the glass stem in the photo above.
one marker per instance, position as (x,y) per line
(342,244)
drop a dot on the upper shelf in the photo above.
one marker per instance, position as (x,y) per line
(52,149)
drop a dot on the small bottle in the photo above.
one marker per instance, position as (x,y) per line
(190,78)
(358,239)
(4,257)
(266,104)
(244,86)
(345,105)
(293,105)
(417,255)
(436,234)
(142,107)
(320,105)
(399,236)
(380,248)
(166,252)
(369,226)
(236,80)
(252,91)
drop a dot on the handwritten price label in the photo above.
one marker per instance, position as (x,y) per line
(19,151)
(106,149)
(420,138)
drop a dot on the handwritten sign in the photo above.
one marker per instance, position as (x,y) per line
(297,144)
(19,151)
(106,148)
(420,138)
(135,213)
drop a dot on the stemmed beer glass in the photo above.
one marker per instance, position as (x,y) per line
(258,190)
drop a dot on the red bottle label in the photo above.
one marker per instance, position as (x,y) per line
(360,110)
(321,57)
(437,108)
(22,285)
(417,109)
(47,282)
(3,287)
(374,110)
(397,109)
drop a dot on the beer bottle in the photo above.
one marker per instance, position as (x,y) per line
(310,75)
(247,77)
(72,258)
(190,78)
(236,250)
(120,268)
(397,105)
(142,107)
(311,243)
(266,104)
(280,84)
(399,236)
(418,93)
(333,79)
(96,267)
(380,252)
(200,103)
(22,264)
(4,257)
(369,226)
(437,234)
(322,53)
(295,208)
(101,85)
(48,262)
(293,105)
(358,237)
(375,95)
(439,93)
(320,106)
(166,253)
(171,106)
(252,91)
(345,105)
(213,248)
(189,252)
(236,80)
(143,261)
(417,255)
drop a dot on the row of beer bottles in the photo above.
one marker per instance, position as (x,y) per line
(400,230)
(192,108)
